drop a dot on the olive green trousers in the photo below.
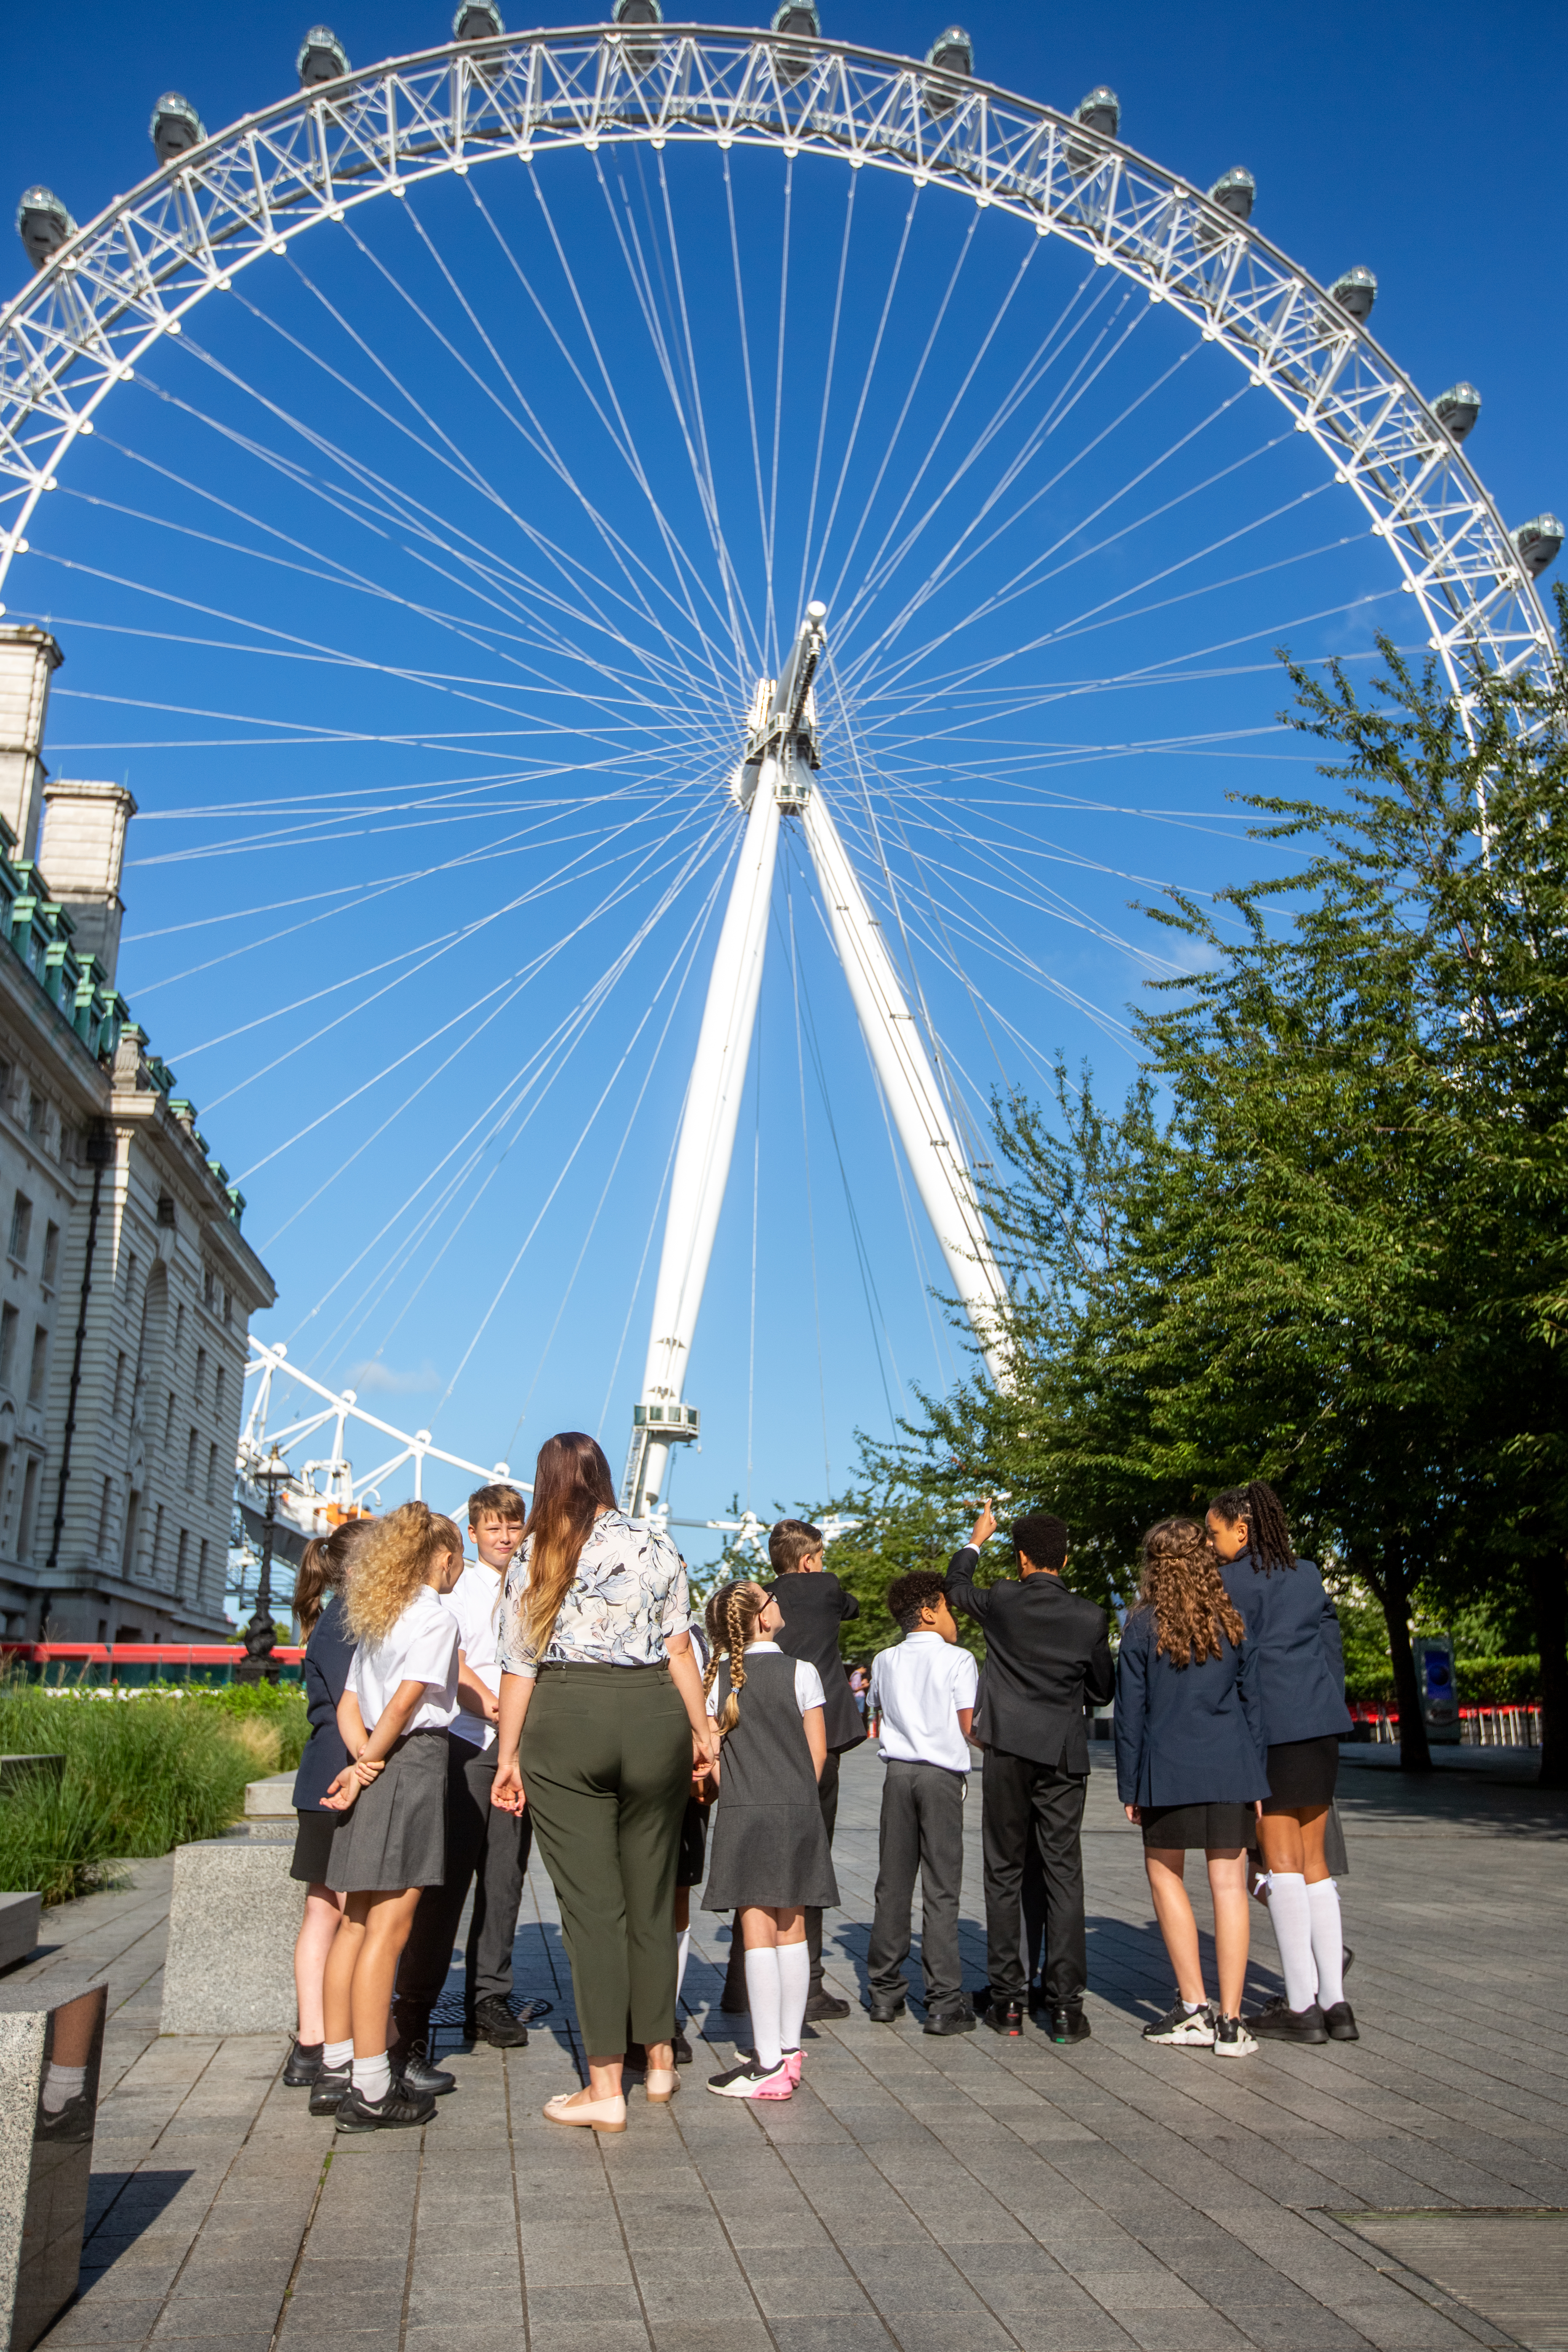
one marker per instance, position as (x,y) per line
(606,1767)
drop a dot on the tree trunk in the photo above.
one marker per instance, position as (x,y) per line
(1548,1604)
(1393,1591)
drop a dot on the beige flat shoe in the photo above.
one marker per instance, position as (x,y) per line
(663,2083)
(595,2115)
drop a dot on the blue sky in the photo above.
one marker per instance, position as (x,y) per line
(408,814)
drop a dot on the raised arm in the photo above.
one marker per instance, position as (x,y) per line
(959,1584)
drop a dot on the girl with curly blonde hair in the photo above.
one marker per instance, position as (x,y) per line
(770,1853)
(401,1695)
(1190,1768)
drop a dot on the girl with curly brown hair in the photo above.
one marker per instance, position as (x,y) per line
(1189,1769)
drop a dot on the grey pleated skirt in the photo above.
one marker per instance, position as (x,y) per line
(776,1856)
(393,1835)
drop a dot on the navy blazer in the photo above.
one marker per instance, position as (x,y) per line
(1294,1628)
(1047,1657)
(329,1655)
(1188,1734)
(814,1606)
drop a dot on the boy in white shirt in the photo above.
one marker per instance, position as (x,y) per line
(486,1848)
(924,1692)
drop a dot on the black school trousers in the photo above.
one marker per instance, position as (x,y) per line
(922,1831)
(1021,1800)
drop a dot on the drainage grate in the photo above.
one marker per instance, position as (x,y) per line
(1507,2263)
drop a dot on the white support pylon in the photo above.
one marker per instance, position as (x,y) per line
(909,1085)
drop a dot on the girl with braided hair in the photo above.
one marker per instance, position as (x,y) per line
(1293,1628)
(770,1851)
(1189,1770)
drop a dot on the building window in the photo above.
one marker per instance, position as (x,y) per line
(4,1480)
(228,1307)
(156,1564)
(130,1276)
(29,1497)
(35,1112)
(191,1463)
(132,1534)
(51,1256)
(39,1365)
(105,1514)
(212,1474)
(180,1552)
(201,1375)
(209,1287)
(179,1337)
(21,1227)
(201,1574)
(9,1318)
(166,1211)
(119,1383)
(217,1394)
(169,1423)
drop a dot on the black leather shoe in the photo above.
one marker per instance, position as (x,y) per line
(329,2090)
(1005,2017)
(1068,2021)
(822,2005)
(1341,2022)
(1346,1957)
(681,2047)
(1277,2021)
(494,2022)
(948,2021)
(412,2067)
(883,2012)
(304,2065)
(401,2110)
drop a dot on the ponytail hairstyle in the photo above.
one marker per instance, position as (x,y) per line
(391,1562)
(325,1569)
(731,1621)
(571,1484)
(1183,1586)
(1258,1507)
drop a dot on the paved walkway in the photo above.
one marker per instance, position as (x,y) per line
(937,2195)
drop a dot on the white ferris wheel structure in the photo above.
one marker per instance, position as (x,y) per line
(106,299)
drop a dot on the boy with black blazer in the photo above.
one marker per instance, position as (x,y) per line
(813,1605)
(1047,1657)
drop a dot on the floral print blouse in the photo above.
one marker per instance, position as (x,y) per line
(627,1597)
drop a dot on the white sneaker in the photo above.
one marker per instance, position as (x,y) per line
(1180,2024)
(1231,2038)
(751,2080)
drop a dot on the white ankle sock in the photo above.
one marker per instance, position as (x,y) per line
(337,2054)
(61,2084)
(682,1954)
(1291,1914)
(795,1987)
(762,1999)
(373,2077)
(1327,1940)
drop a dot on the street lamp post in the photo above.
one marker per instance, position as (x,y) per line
(260,1634)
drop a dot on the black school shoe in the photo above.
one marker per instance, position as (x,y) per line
(401,2109)
(1003,2016)
(411,2065)
(494,2022)
(948,2021)
(883,2012)
(329,2090)
(822,2005)
(681,2047)
(304,2065)
(1341,2022)
(1277,2021)
(1068,2021)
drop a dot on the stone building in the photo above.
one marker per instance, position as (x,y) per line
(127,1287)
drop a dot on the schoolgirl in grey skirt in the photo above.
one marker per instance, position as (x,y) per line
(770,1856)
(402,1694)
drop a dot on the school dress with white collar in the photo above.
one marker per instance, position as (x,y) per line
(394,1834)
(769,1847)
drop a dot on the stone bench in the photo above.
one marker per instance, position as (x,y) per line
(234,1916)
(19,1917)
(271,1801)
(45,2146)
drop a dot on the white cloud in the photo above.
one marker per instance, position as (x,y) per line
(367,1378)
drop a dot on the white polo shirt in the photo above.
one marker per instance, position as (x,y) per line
(918,1688)
(422,1647)
(474,1601)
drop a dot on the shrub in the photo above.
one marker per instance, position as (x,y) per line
(1497,1681)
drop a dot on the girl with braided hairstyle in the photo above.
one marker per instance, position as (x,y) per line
(1293,1628)
(1189,1770)
(770,1851)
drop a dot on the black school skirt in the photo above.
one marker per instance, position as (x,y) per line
(1167,1827)
(1303,1772)
(313,1846)
(693,1844)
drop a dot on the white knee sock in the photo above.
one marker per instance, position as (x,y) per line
(762,1999)
(682,1954)
(61,2084)
(795,1986)
(373,2077)
(1292,1918)
(1327,1940)
(337,2055)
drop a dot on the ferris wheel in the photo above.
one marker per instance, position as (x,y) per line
(665,465)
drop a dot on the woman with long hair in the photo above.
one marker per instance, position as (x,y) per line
(1294,1629)
(602,1717)
(329,1652)
(1189,1770)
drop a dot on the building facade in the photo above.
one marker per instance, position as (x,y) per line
(128,1285)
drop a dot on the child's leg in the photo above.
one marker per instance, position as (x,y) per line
(941,1796)
(387,1920)
(1232,1925)
(337,1979)
(794,1958)
(759,1931)
(897,1859)
(1323,1911)
(1174,1913)
(317,1932)
(1292,1842)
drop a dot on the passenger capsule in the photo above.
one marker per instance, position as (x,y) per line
(952,53)
(175,126)
(640,56)
(43,224)
(1457,410)
(1234,192)
(1356,293)
(1537,542)
(477,20)
(1100,111)
(799,18)
(322,58)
